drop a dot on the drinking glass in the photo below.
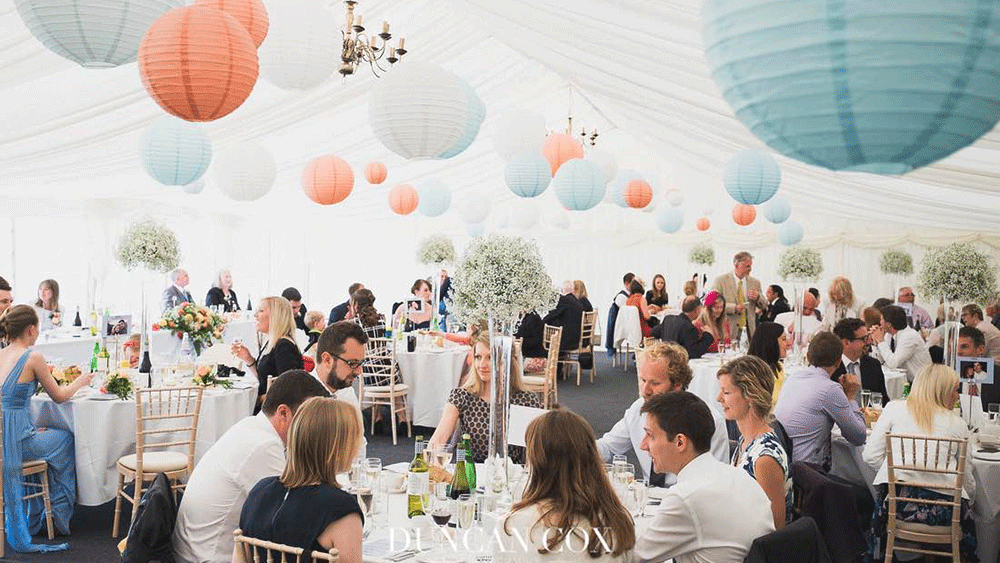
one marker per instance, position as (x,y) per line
(610,470)
(441,515)
(466,511)
(442,457)
(373,470)
(641,494)
(366,499)
(866,398)
(625,474)
(357,469)
(876,401)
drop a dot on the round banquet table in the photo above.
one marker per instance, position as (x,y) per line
(104,431)
(430,373)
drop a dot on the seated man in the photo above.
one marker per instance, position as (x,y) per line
(900,346)
(680,329)
(250,450)
(339,312)
(972,315)
(810,403)
(972,344)
(664,369)
(853,334)
(715,511)
(569,315)
(298,307)
(810,323)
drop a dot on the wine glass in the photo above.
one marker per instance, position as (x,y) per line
(466,511)
(442,457)
(866,398)
(876,401)
(641,493)
(441,515)
(373,470)
(366,498)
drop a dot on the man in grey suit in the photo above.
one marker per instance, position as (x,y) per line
(176,293)
(742,294)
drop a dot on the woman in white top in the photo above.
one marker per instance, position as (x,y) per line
(842,303)
(569,512)
(926,412)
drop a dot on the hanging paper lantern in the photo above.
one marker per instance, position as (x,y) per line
(375,172)
(403,199)
(670,219)
(704,224)
(638,193)
(790,233)
(421,111)
(605,162)
(652,205)
(883,87)
(777,210)
(578,185)
(519,131)
(198,63)
(752,177)
(616,192)
(709,209)
(744,214)
(327,180)
(435,198)
(528,174)
(559,148)
(175,152)
(300,52)
(245,171)
(475,229)
(525,217)
(474,207)
(93,34)
(675,198)
(558,218)
(195,187)
(251,14)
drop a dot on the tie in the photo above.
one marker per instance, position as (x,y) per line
(852,368)
(892,344)
(740,298)
(656,479)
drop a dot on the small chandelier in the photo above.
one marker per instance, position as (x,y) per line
(584,136)
(360,48)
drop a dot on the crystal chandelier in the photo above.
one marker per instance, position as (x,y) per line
(360,47)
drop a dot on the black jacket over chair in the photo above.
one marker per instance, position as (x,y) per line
(831,503)
(679,328)
(779,306)
(798,542)
(531,331)
(872,378)
(569,315)
(150,535)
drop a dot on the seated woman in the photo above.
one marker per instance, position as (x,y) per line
(927,411)
(580,291)
(420,315)
(47,306)
(745,386)
(469,405)
(362,310)
(305,507)
(531,331)
(561,443)
(23,370)
(770,343)
(221,293)
(638,300)
(280,353)
(713,320)
(657,296)
(842,303)
(690,288)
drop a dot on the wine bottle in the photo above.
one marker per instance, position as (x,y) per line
(104,358)
(93,357)
(470,463)
(418,481)
(78,321)
(460,481)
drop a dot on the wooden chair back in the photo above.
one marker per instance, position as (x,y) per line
(254,550)
(548,334)
(165,418)
(587,330)
(381,365)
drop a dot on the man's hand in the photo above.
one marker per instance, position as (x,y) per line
(851,385)
(753,294)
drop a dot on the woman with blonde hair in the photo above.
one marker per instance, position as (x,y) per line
(927,411)
(580,291)
(221,293)
(469,405)
(305,507)
(712,320)
(280,353)
(842,303)
(568,499)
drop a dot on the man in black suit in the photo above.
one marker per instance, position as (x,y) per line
(972,344)
(569,315)
(339,312)
(777,304)
(680,329)
(854,334)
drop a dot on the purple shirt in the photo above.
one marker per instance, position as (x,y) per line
(809,403)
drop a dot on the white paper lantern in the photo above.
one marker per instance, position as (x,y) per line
(790,233)
(777,211)
(519,131)
(474,207)
(421,111)
(435,198)
(525,216)
(670,219)
(605,162)
(578,185)
(175,152)
(557,218)
(475,229)
(245,171)
(528,174)
(299,52)
(95,33)
(675,198)
(195,187)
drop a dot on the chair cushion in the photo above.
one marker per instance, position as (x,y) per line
(385,390)
(155,462)
(533,379)
(923,528)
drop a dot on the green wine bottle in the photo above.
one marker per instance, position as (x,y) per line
(93,357)
(460,481)
(470,464)
(418,481)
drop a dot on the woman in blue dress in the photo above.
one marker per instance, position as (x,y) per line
(22,371)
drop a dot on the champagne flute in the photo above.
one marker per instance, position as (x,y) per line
(373,470)
(366,499)
(466,511)
(866,398)
(641,494)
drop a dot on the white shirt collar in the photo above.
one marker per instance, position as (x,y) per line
(696,466)
(847,361)
(737,278)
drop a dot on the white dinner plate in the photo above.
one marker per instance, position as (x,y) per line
(102,397)
(987,456)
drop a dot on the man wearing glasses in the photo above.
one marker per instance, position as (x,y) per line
(853,333)
(916,315)
(340,356)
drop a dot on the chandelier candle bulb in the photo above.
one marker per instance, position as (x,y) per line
(385,27)
(400,48)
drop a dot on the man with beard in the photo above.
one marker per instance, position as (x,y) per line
(340,355)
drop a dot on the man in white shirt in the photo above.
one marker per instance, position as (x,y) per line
(715,511)
(664,369)
(899,346)
(340,355)
(622,295)
(810,324)
(972,315)
(252,449)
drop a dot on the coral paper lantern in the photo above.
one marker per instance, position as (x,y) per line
(245,171)
(777,210)
(638,193)
(790,233)
(403,199)
(744,214)
(93,34)
(752,177)
(559,148)
(175,152)
(616,192)
(327,180)
(704,224)
(251,14)
(579,185)
(375,172)
(528,174)
(435,198)
(198,63)
(886,86)
(670,219)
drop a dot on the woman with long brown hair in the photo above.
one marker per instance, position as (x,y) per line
(657,296)
(568,494)
(47,305)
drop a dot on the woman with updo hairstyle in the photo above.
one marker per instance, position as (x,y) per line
(362,311)
(745,387)
(23,370)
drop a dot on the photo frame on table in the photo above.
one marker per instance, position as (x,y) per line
(979,370)
(415,304)
(116,325)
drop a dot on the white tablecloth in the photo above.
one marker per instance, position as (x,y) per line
(105,430)
(430,374)
(705,382)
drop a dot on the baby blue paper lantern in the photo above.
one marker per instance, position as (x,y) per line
(579,185)
(790,233)
(617,189)
(475,113)
(435,198)
(528,174)
(752,177)
(670,219)
(175,152)
(884,87)
(777,210)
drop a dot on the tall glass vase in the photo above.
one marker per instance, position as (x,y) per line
(436,284)
(501,333)
(798,334)
(951,326)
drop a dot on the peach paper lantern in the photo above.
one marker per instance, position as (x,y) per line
(744,214)
(638,193)
(560,147)
(375,172)
(327,180)
(251,14)
(403,199)
(198,63)
(703,224)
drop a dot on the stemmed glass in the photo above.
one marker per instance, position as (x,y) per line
(641,493)
(866,398)
(466,511)
(442,509)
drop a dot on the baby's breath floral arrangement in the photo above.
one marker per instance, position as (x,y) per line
(702,255)
(205,376)
(436,249)
(149,245)
(896,262)
(800,264)
(503,277)
(958,272)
